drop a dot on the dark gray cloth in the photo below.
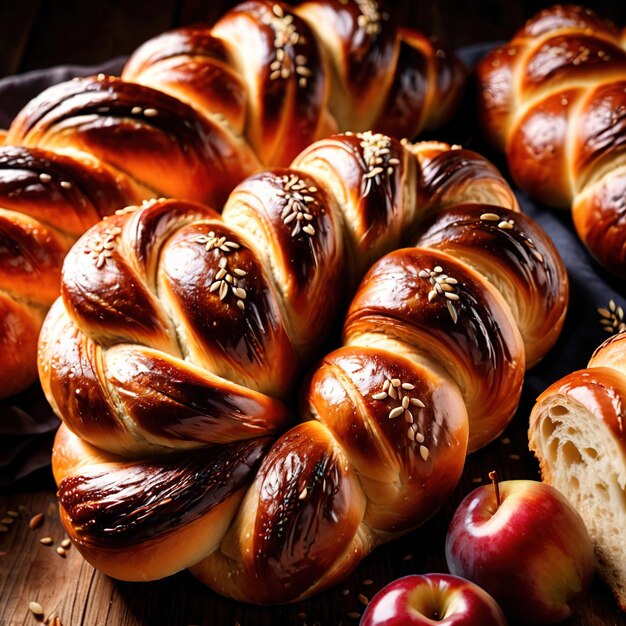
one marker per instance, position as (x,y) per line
(16,91)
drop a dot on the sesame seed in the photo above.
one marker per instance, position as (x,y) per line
(505,225)
(451,296)
(13,514)
(4,529)
(136,110)
(150,112)
(345,592)
(354,615)
(46,541)
(35,521)
(61,552)
(490,217)
(396,412)
(380,396)
(45,178)
(7,520)
(505,440)
(66,543)
(396,382)
(514,457)
(417,402)
(453,314)
(408,386)
(424,452)
(35,608)
(363,599)
(66,184)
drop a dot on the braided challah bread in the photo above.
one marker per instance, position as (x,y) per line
(196,111)
(554,99)
(180,332)
(577,433)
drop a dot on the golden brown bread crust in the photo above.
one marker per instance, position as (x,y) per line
(199,495)
(179,321)
(553,100)
(517,257)
(154,138)
(467,327)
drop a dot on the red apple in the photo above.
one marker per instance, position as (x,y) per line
(432,598)
(526,546)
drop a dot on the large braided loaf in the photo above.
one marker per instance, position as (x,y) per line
(195,112)
(554,98)
(179,331)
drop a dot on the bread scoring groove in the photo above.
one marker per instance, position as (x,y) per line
(117,506)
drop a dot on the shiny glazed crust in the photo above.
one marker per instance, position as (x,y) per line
(180,334)
(196,111)
(553,99)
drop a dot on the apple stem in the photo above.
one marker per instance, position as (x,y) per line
(493,475)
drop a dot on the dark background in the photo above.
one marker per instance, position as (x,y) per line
(42,33)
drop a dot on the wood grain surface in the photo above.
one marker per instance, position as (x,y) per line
(30,571)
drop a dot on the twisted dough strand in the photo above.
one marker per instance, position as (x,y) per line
(554,98)
(196,111)
(164,351)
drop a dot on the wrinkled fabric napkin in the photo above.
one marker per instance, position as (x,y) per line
(27,424)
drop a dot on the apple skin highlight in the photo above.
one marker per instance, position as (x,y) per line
(430,599)
(532,553)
